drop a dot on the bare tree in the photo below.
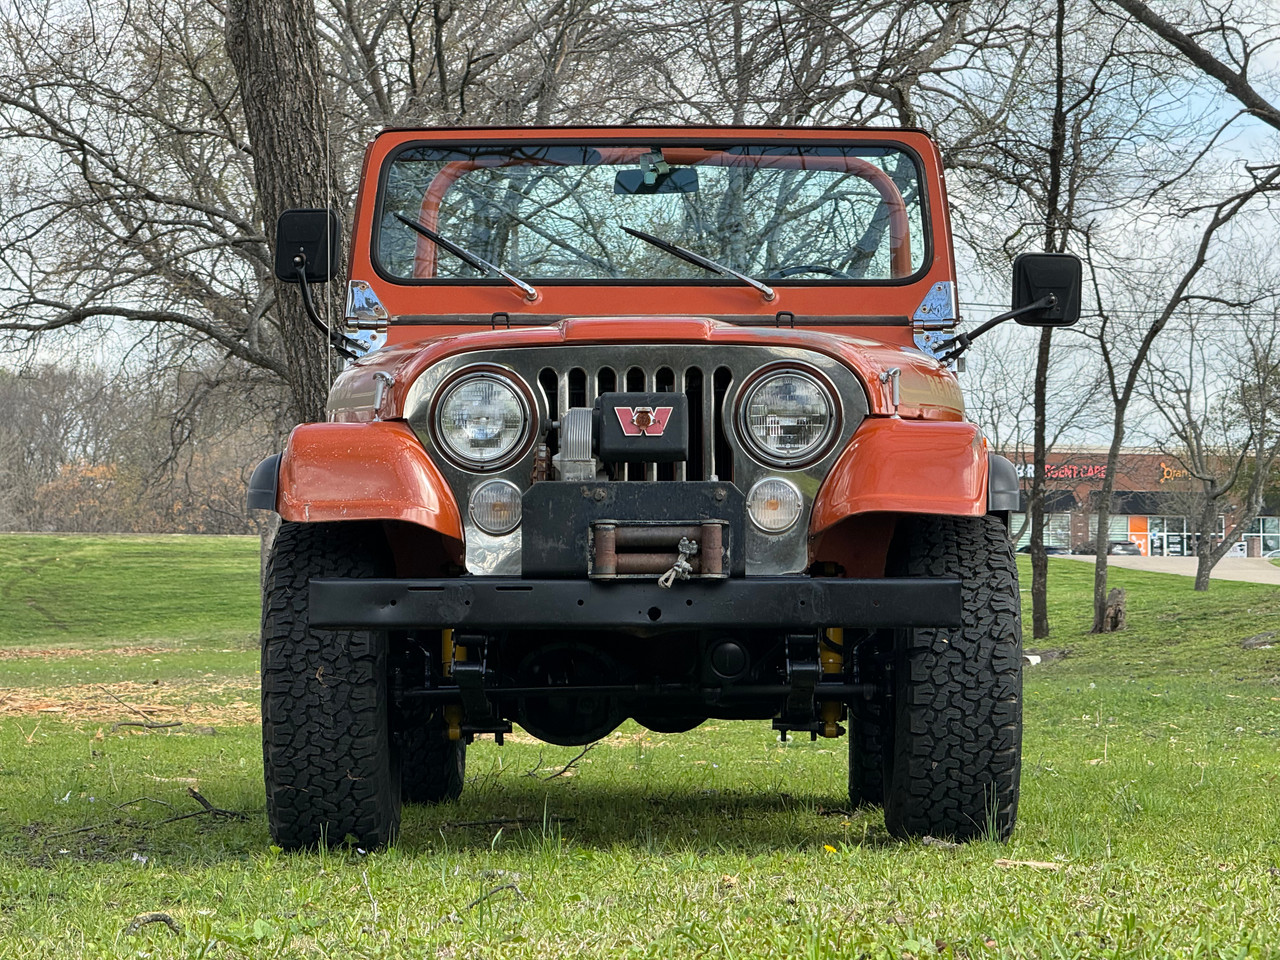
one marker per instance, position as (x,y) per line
(1178,292)
(1125,353)
(1063,156)
(275,50)
(152,172)
(1219,399)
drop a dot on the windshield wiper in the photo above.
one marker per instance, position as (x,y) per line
(700,261)
(466,255)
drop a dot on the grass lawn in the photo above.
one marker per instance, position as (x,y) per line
(1149,826)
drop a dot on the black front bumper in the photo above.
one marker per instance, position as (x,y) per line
(501,603)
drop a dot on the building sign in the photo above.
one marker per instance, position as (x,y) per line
(1168,473)
(1065,471)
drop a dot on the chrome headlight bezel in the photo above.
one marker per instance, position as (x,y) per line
(816,450)
(504,378)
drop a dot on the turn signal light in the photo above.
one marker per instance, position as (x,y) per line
(774,504)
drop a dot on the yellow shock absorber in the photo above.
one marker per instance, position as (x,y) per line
(448,654)
(832,659)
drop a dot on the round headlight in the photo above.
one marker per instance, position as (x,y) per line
(495,507)
(482,421)
(787,417)
(774,504)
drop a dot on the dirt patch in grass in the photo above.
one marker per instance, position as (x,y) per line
(69,653)
(234,702)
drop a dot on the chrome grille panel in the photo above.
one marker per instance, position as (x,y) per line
(709,375)
(579,386)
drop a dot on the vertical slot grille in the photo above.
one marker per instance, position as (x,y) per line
(722,452)
(694,469)
(709,450)
(550,384)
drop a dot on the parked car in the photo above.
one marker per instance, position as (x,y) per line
(1126,548)
(1049,548)
(1271,555)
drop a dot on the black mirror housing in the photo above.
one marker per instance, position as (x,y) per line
(679,180)
(1038,275)
(316,236)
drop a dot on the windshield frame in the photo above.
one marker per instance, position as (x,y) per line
(705,142)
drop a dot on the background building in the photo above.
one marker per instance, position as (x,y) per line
(1153,499)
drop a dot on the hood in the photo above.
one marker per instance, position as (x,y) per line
(927,390)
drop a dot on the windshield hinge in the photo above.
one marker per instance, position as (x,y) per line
(788,315)
(935,316)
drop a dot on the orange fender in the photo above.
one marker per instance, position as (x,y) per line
(906,466)
(363,471)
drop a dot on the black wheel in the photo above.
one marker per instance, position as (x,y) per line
(431,765)
(868,718)
(329,761)
(956,751)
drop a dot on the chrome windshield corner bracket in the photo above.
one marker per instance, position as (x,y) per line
(365,318)
(936,316)
(364,310)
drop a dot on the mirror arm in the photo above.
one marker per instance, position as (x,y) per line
(340,343)
(960,342)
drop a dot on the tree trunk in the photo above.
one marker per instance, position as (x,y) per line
(1204,566)
(1055,238)
(1103,513)
(274,48)
(1205,559)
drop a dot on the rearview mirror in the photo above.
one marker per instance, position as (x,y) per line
(313,235)
(1040,275)
(680,180)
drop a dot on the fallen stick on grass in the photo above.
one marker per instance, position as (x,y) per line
(129,803)
(502,821)
(142,919)
(209,808)
(482,898)
(568,766)
(127,706)
(149,724)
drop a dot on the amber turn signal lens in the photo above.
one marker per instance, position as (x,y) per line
(774,504)
(495,507)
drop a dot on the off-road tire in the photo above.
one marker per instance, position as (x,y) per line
(432,767)
(329,761)
(868,718)
(956,752)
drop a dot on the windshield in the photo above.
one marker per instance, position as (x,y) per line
(547,212)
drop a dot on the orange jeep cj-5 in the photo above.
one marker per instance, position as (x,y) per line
(657,423)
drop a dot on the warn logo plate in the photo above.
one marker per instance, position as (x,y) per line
(643,421)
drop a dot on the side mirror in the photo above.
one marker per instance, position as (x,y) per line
(1040,275)
(313,235)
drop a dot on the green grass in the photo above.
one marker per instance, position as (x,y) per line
(1151,781)
(84,591)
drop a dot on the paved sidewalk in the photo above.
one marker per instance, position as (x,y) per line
(1249,569)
